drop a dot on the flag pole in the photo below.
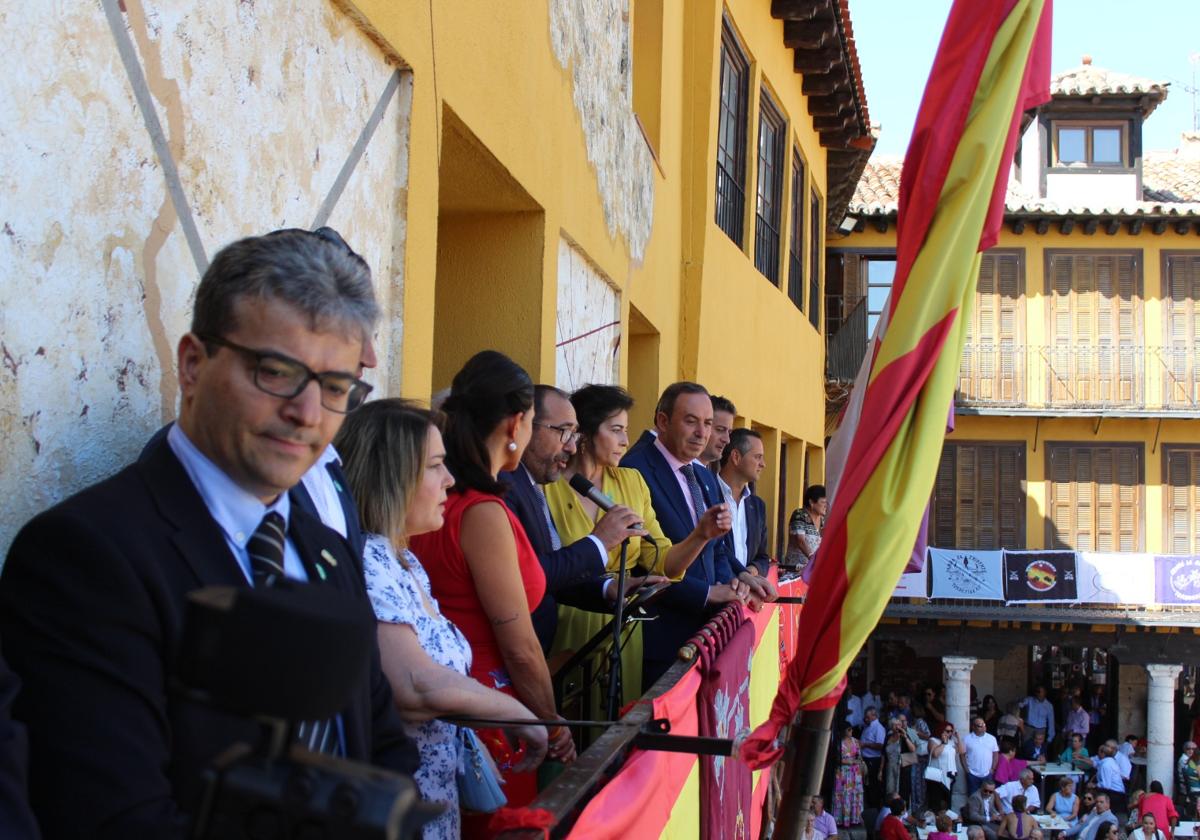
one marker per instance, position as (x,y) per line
(803,770)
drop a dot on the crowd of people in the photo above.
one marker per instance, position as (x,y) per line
(456,524)
(898,757)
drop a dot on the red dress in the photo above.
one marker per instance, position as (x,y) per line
(454,587)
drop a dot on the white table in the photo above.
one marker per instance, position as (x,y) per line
(1050,822)
(1184,830)
(924,831)
(1052,769)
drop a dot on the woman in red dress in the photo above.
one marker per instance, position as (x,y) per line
(482,569)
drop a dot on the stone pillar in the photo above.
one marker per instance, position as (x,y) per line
(1160,725)
(958,710)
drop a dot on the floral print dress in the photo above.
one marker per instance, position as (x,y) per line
(848,785)
(400,594)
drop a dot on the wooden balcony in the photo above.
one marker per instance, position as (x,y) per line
(1080,377)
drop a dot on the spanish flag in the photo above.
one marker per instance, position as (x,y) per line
(992,65)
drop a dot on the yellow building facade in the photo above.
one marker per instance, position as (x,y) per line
(1077,405)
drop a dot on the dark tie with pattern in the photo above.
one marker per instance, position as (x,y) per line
(555,540)
(265,548)
(693,484)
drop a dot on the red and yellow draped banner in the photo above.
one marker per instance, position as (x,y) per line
(992,65)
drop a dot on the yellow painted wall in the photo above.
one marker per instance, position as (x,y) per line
(488,71)
(1034,433)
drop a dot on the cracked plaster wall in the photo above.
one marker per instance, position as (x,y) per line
(261,102)
(588,328)
(592,40)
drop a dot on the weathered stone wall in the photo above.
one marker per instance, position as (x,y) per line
(592,39)
(588,325)
(260,105)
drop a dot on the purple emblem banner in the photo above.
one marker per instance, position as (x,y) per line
(1177,580)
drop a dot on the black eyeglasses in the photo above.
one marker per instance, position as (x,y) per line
(565,433)
(283,376)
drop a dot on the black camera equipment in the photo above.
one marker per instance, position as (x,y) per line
(283,655)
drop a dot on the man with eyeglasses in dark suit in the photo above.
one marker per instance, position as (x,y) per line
(93,592)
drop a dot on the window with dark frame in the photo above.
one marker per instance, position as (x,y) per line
(1090,144)
(768,207)
(731,135)
(815,250)
(796,238)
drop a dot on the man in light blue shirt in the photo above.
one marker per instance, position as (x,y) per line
(872,740)
(1108,776)
(1039,712)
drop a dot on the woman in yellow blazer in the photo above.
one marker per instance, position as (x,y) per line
(603,415)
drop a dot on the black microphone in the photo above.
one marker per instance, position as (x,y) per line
(590,491)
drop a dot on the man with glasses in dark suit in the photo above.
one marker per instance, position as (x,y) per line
(93,592)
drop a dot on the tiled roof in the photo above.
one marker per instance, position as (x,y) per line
(1089,80)
(1170,187)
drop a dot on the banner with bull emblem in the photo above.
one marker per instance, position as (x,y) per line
(1040,576)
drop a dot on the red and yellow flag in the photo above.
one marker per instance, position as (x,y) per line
(992,65)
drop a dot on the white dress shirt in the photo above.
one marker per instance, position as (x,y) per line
(321,489)
(1014,788)
(737,510)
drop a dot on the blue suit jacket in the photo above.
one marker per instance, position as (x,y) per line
(573,572)
(682,608)
(757,554)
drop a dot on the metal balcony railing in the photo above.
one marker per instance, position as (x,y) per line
(846,348)
(1080,376)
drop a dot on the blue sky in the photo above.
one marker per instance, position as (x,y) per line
(1149,38)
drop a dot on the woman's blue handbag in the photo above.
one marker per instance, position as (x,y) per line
(478,782)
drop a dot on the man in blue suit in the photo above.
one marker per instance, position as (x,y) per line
(575,573)
(686,498)
(741,464)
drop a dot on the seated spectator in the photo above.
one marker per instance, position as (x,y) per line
(1065,801)
(984,809)
(394,461)
(1017,824)
(1187,767)
(94,591)
(684,496)
(1034,749)
(810,832)
(481,566)
(1025,787)
(893,826)
(823,821)
(1148,830)
(805,526)
(603,415)
(944,828)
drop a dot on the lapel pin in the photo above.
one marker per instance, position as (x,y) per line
(321,572)
(328,558)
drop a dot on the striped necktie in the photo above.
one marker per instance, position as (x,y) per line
(693,484)
(265,548)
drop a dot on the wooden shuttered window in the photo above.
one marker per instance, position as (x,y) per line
(1182,470)
(1095,328)
(993,368)
(1095,498)
(1181,303)
(978,501)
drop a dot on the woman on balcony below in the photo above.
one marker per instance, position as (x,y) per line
(805,526)
(481,566)
(603,415)
(395,464)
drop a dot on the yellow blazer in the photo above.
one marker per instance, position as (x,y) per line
(625,487)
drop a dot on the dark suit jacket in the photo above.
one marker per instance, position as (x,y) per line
(757,554)
(682,608)
(16,819)
(571,571)
(91,607)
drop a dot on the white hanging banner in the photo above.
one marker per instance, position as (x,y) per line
(964,573)
(912,585)
(1112,578)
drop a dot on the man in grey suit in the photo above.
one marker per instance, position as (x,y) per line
(1087,828)
(983,809)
